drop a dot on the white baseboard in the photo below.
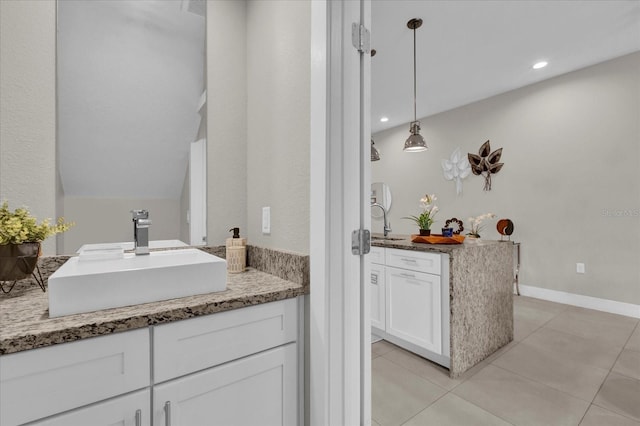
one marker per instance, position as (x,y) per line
(605,305)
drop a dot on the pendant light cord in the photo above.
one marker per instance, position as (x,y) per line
(415,115)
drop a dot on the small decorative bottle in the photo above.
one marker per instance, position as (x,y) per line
(236,252)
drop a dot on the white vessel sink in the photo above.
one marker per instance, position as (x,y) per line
(84,286)
(153,244)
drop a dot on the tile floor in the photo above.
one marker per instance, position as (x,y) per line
(566,366)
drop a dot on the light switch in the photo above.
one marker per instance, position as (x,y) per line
(580,268)
(266,220)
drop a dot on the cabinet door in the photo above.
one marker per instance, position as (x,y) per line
(377,296)
(257,390)
(413,307)
(129,410)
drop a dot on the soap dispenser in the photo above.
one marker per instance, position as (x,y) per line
(236,252)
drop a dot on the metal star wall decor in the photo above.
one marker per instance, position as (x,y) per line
(486,163)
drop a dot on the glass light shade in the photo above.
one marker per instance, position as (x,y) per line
(375,154)
(415,142)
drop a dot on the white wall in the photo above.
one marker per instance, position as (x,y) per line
(571,153)
(108,220)
(258,121)
(27,108)
(226,119)
(278,64)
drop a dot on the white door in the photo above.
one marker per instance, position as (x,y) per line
(257,390)
(129,410)
(340,326)
(413,307)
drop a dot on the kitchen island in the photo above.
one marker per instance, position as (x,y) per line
(476,303)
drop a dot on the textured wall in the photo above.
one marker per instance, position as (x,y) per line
(278,75)
(226,119)
(572,155)
(27,107)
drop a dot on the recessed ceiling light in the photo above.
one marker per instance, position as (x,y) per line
(539,65)
(384,119)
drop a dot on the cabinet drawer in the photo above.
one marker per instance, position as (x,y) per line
(191,345)
(42,382)
(414,260)
(376,255)
(125,410)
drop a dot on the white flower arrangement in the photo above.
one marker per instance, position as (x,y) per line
(476,224)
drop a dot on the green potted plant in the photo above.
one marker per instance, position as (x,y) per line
(20,238)
(425,219)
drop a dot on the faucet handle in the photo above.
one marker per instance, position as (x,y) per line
(140,214)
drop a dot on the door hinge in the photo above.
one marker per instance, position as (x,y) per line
(361,38)
(360,242)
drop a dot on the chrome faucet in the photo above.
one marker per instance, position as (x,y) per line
(387,226)
(141,223)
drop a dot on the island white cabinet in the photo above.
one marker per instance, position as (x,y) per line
(241,367)
(378,296)
(410,301)
(413,307)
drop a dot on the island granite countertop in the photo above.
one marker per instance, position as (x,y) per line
(403,242)
(25,322)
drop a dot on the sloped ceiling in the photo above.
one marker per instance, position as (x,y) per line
(472,50)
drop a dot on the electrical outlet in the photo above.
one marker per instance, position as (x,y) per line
(266,220)
(580,268)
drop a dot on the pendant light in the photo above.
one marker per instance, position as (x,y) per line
(415,142)
(375,154)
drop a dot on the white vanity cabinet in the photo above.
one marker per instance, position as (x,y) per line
(410,304)
(44,382)
(241,367)
(238,367)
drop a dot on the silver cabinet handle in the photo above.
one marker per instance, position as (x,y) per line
(404,259)
(138,417)
(374,278)
(405,275)
(167,413)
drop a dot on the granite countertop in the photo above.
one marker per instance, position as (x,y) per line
(403,242)
(25,322)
